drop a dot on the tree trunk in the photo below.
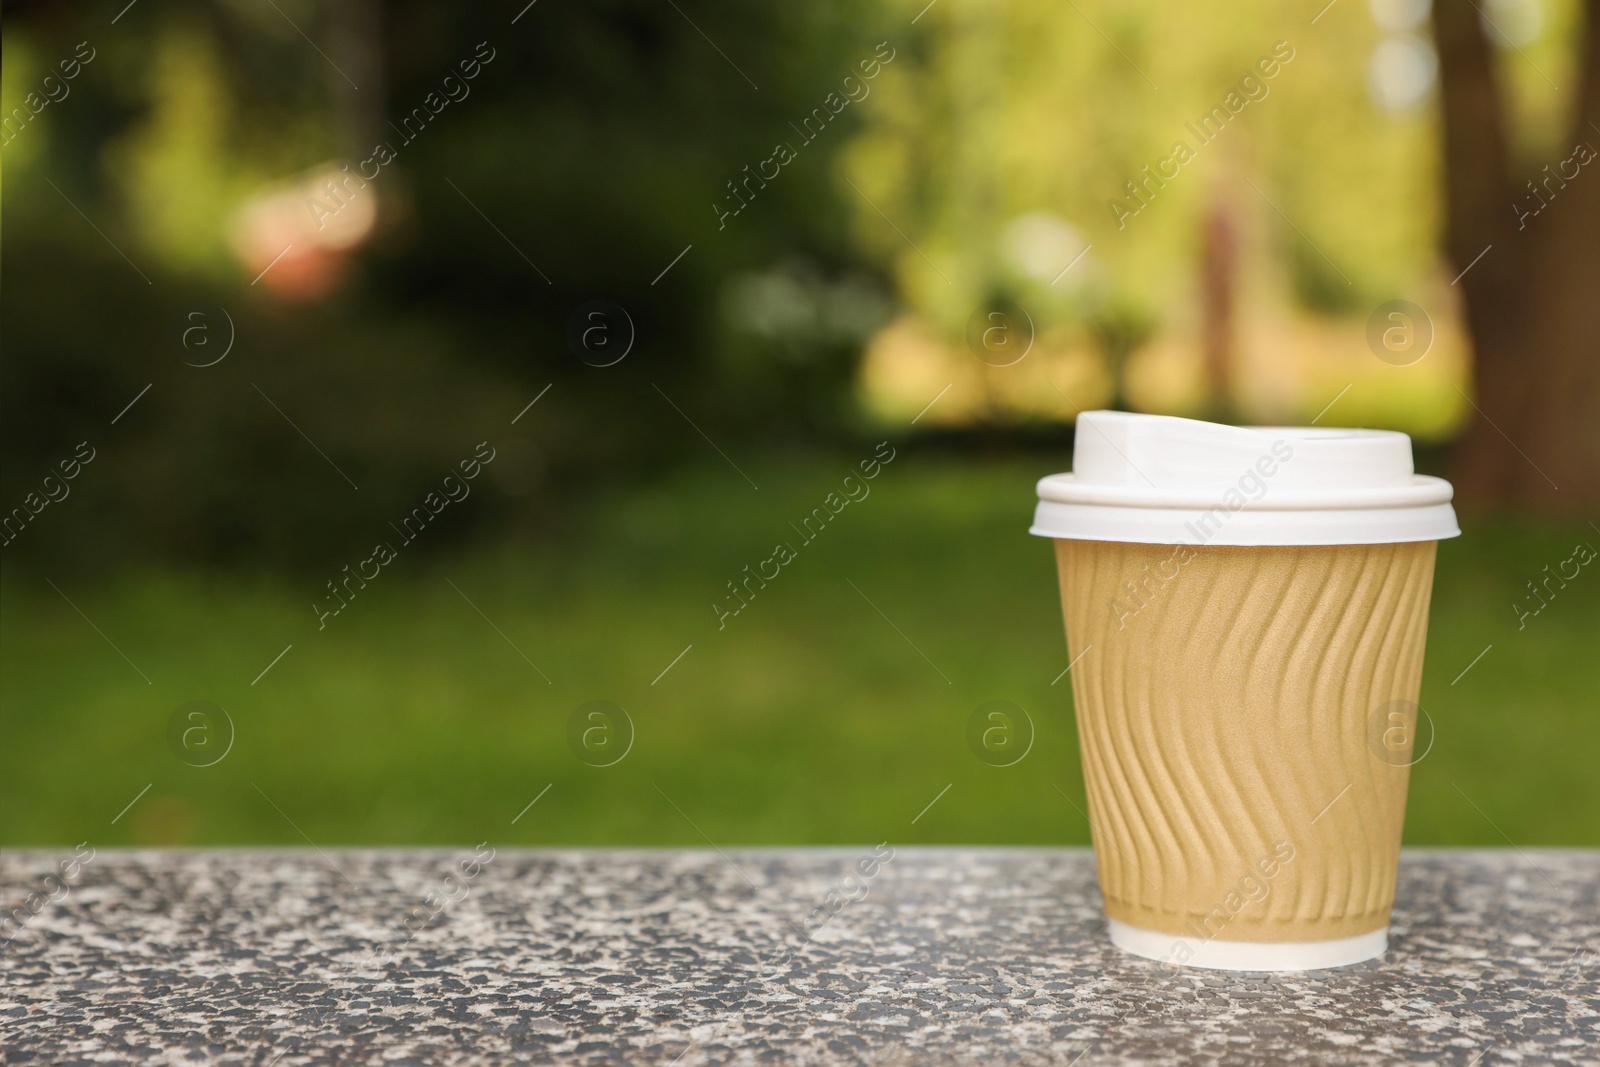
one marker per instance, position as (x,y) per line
(1219,257)
(1529,244)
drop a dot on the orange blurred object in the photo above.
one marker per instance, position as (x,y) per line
(296,238)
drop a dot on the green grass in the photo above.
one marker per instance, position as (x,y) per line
(808,719)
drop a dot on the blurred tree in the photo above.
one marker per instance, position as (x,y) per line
(1530,251)
(1001,112)
(1219,254)
(597,144)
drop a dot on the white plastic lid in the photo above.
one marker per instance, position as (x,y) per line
(1155,479)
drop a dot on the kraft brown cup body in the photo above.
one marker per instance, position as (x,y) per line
(1225,700)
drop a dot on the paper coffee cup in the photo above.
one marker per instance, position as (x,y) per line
(1246,610)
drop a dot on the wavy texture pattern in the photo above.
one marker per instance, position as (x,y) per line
(1230,710)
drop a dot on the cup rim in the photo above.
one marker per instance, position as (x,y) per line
(1424,490)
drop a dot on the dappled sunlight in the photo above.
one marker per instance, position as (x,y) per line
(906,365)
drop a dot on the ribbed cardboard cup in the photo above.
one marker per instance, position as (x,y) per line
(1246,610)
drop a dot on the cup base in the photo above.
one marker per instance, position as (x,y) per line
(1248,955)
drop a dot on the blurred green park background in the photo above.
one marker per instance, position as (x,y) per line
(809,718)
(272,364)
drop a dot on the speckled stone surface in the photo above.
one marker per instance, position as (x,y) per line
(692,957)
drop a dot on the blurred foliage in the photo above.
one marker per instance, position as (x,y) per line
(1017,106)
(1008,129)
(596,140)
(600,143)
